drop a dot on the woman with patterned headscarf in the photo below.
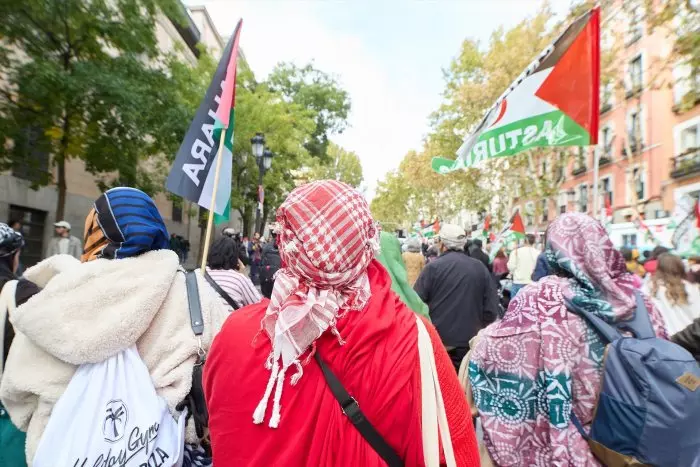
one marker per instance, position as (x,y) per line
(541,361)
(268,400)
(128,290)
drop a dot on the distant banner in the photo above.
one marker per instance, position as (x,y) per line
(554,102)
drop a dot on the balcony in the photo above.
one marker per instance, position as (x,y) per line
(636,89)
(605,159)
(686,164)
(634,147)
(578,170)
(605,107)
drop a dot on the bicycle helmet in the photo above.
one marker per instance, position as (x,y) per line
(10,241)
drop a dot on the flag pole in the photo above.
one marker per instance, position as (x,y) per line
(596,173)
(212,206)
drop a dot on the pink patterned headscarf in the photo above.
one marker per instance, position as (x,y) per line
(327,239)
(530,370)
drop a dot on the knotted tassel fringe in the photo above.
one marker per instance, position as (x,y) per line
(276,407)
(259,414)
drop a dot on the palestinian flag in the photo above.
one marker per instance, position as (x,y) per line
(192,174)
(514,227)
(554,102)
(430,230)
(513,231)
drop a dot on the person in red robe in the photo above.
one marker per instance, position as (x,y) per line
(269,403)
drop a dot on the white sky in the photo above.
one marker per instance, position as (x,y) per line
(388,54)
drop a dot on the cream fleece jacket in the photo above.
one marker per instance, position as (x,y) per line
(88,312)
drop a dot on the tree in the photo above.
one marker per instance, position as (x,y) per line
(85,80)
(474,80)
(342,165)
(320,93)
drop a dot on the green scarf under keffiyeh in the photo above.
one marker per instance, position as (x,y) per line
(390,257)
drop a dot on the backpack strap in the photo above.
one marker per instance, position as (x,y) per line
(195,400)
(195,306)
(351,409)
(232,303)
(604,329)
(640,324)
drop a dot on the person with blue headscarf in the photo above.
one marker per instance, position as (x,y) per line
(128,289)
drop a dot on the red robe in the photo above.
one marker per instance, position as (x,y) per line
(378,366)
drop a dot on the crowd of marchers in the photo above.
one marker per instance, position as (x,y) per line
(332,343)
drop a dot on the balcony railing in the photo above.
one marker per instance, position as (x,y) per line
(687,163)
(605,107)
(633,147)
(636,89)
(578,170)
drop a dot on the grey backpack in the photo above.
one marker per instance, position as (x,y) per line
(648,410)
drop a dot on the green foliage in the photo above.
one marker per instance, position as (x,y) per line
(341,165)
(87,75)
(318,92)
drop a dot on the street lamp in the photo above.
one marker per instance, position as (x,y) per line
(267,159)
(258,144)
(263,158)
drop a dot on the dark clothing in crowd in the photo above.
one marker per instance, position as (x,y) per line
(25,290)
(461,296)
(541,268)
(689,338)
(479,254)
(269,264)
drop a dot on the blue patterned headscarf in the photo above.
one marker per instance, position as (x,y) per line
(124,222)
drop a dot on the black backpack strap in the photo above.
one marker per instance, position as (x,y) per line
(232,303)
(351,409)
(196,401)
(195,306)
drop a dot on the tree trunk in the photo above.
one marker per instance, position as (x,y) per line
(61,170)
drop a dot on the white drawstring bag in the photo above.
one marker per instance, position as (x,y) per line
(110,415)
(433,407)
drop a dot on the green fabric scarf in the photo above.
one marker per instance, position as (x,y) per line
(390,257)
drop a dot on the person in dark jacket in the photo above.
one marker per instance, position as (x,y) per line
(459,292)
(270,263)
(477,252)
(11,439)
(689,338)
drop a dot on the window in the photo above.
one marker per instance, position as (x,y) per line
(636,74)
(635,18)
(543,167)
(583,197)
(690,139)
(606,140)
(33,223)
(606,189)
(629,240)
(635,133)
(545,211)
(33,164)
(177,212)
(562,200)
(580,165)
(606,96)
(638,185)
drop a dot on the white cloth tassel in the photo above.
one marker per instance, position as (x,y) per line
(300,372)
(276,407)
(335,332)
(259,414)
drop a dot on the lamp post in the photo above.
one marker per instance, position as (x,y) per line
(263,157)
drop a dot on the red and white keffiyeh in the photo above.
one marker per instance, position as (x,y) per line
(327,239)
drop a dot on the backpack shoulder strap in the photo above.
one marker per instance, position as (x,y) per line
(234,304)
(608,332)
(195,306)
(351,409)
(640,324)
